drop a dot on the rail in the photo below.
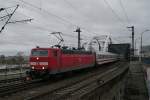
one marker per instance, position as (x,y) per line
(81,88)
(65,87)
(14,72)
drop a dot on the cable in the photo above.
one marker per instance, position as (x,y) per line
(70,5)
(51,14)
(1,9)
(11,7)
(48,12)
(127,18)
(73,7)
(113,11)
(50,31)
(4,17)
(9,19)
(62,19)
(79,12)
(20,21)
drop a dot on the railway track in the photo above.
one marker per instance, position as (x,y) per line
(10,78)
(79,89)
(6,81)
(63,87)
(17,86)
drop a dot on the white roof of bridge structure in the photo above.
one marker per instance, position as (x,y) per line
(99,43)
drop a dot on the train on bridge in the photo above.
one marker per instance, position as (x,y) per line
(50,61)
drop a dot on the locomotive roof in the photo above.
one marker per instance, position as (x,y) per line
(66,51)
(45,48)
(60,49)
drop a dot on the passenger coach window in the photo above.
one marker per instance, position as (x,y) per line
(39,53)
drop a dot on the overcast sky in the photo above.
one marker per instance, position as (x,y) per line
(95,17)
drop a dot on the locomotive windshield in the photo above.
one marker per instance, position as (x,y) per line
(39,53)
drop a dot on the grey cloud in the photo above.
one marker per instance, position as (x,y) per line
(93,15)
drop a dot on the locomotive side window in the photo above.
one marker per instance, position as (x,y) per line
(39,53)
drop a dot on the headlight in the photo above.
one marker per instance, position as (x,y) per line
(43,68)
(32,67)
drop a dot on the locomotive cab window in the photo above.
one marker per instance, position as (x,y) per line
(39,53)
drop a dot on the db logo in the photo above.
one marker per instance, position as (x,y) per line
(37,63)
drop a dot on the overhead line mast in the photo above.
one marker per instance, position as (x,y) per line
(132,49)
(78,30)
(9,19)
(19,21)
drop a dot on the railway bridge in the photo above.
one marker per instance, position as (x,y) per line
(117,81)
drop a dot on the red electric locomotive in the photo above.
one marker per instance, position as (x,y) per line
(47,61)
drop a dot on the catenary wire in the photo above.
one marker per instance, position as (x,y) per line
(113,11)
(80,13)
(60,18)
(125,13)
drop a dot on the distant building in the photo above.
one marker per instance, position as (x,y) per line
(146,51)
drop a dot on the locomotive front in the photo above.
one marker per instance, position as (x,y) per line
(39,62)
